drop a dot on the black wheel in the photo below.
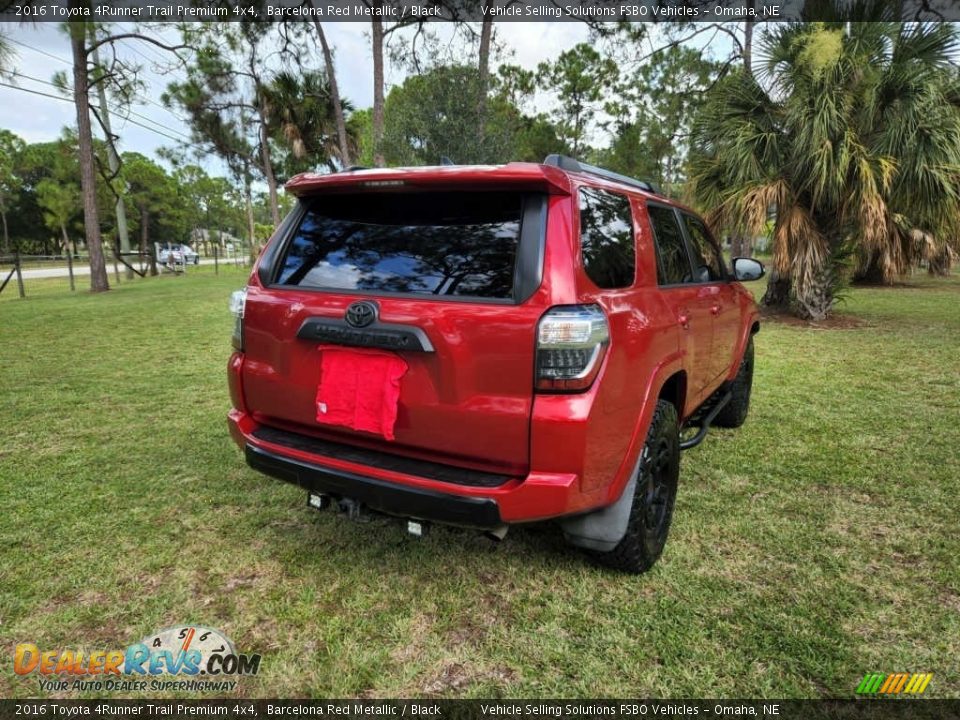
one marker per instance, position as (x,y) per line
(656,490)
(734,413)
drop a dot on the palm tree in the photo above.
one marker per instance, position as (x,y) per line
(7,56)
(299,106)
(851,135)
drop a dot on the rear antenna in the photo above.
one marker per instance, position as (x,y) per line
(444,160)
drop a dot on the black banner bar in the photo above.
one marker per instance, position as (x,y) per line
(873,709)
(448,10)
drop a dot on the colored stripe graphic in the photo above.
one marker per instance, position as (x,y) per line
(894,683)
(870,683)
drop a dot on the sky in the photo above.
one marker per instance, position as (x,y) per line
(43,50)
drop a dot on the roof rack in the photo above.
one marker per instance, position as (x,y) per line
(573,165)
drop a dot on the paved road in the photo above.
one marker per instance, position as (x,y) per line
(79,268)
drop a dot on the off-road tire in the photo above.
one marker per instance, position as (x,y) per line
(734,413)
(656,490)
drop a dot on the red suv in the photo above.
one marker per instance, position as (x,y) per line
(489,345)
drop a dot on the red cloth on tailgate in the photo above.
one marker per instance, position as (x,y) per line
(359,388)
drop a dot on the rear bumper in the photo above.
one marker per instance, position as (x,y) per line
(376,494)
(538,496)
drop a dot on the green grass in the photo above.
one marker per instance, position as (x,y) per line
(815,544)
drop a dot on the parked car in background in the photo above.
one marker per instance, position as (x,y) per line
(484,346)
(190,255)
(182,254)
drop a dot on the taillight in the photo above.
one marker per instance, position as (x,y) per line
(571,343)
(238,305)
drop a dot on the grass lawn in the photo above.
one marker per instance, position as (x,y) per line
(816,544)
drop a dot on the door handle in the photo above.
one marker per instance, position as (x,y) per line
(715,309)
(684,321)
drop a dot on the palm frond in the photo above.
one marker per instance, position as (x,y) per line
(7,56)
(854,138)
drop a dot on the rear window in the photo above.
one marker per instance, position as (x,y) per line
(438,243)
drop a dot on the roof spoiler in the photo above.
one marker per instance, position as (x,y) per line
(514,175)
(573,165)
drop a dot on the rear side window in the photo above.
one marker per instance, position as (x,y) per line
(437,243)
(673,263)
(606,238)
(707,260)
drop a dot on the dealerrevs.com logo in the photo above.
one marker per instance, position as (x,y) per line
(190,657)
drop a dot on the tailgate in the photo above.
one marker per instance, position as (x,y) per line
(445,281)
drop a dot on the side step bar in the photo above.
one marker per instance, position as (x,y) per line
(707,421)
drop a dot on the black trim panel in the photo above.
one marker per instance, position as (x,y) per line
(378,495)
(388,336)
(386,461)
(528,270)
(267,270)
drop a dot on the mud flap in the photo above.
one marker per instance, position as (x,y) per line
(602,530)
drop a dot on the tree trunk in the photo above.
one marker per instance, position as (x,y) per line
(6,235)
(486,36)
(145,248)
(268,172)
(870,272)
(736,245)
(940,262)
(376,34)
(741,244)
(815,300)
(338,118)
(576,130)
(251,230)
(98,268)
(114,161)
(66,250)
(777,295)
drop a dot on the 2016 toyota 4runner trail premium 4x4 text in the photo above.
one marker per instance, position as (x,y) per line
(490,345)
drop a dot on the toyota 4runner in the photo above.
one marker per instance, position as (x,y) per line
(490,345)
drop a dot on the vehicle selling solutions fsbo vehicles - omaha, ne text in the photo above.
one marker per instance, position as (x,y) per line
(490,345)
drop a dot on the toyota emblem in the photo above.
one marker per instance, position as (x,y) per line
(361,313)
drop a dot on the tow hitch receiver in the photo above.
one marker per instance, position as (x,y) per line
(353,509)
(707,420)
